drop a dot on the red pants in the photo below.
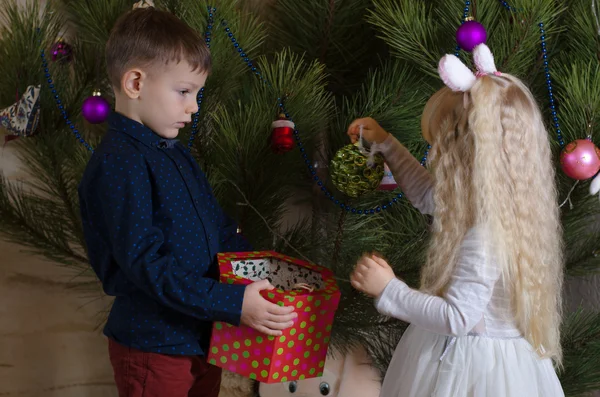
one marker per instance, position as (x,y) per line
(139,373)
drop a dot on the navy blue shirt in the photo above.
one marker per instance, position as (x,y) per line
(153,229)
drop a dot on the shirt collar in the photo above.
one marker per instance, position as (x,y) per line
(138,131)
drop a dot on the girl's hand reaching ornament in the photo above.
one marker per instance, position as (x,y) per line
(371,130)
(371,275)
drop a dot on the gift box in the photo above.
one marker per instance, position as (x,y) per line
(301,351)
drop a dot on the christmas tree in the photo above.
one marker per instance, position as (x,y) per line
(319,64)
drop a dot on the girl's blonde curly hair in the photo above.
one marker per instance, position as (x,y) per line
(492,163)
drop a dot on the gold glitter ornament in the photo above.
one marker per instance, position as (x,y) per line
(353,174)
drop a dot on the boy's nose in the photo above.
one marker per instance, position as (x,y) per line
(192,108)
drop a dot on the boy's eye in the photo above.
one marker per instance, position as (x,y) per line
(183,92)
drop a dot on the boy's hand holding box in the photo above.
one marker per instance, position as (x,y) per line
(302,349)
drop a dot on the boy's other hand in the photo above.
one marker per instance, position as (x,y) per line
(262,315)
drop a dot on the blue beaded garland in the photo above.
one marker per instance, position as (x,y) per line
(74,130)
(556,124)
(200,96)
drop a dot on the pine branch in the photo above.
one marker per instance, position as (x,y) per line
(53,165)
(289,245)
(408,28)
(397,107)
(582,39)
(327,32)
(29,221)
(21,45)
(578,92)
(581,346)
(92,20)
(229,69)
(332,32)
(244,130)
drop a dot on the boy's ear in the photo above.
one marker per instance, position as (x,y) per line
(132,82)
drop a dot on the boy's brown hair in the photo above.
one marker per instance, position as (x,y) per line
(144,37)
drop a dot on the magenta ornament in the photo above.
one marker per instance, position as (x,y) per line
(470,34)
(95,109)
(61,51)
(580,159)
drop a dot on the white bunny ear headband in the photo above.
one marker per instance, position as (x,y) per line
(458,77)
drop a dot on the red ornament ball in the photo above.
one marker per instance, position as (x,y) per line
(282,136)
(580,159)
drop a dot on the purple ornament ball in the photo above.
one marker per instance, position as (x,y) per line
(470,34)
(95,109)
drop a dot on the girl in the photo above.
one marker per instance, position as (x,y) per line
(486,320)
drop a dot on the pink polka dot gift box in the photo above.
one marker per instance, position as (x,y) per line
(301,351)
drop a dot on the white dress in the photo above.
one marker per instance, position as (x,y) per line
(465,344)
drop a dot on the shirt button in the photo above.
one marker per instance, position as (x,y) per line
(180,167)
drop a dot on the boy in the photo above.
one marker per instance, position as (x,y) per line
(151,223)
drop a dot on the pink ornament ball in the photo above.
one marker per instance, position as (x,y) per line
(95,109)
(470,34)
(580,159)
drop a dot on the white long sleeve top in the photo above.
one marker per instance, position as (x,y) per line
(476,301)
